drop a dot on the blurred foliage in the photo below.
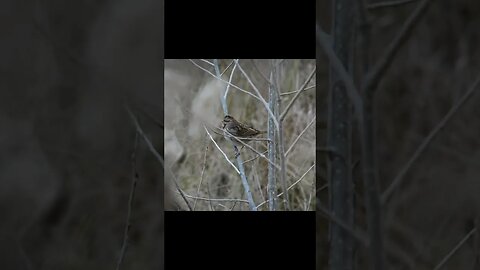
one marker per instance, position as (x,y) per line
(434,207)
(66,140)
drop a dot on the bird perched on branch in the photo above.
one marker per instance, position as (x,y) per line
(239,131)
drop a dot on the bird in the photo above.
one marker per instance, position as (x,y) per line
(237,129)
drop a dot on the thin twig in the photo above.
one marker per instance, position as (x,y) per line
(156,154)
(222,80)
(251,148)
(130,203)
(234,204)
(149,115)
(298,181)
(322,187)
(309,201)
(215,200)
(296,91)
(201,177)
(282,116)
(209,63)
(291,186)
(455,249)
(220,149)
(398,179)
(229,65)
(299,136)
(228,86)
(254,157)
(476,243)
(265,104)
(358,235)
(259,72)
(255,178)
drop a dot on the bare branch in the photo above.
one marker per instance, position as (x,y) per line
(282,116)
(265,104)
(243,177)
(255,157)
(157,155)
(296,91)
(291,186)
(215,200)
(206,61)
(222,80)
(299,136)
(130,202)
(228,85)
(229,65)
(261,74)
(218,147)
(253,149)
(201,176)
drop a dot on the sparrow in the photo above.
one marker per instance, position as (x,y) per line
(237,129)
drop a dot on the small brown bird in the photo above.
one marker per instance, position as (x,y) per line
(238,129)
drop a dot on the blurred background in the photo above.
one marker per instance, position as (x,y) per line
(67,70)
(437,204)
(192,98)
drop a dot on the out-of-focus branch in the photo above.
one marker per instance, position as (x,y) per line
(358,235)
(455,249)
(385,61)
(157,155)
(131,197)
(400,176)
(387,4)
(324,41)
